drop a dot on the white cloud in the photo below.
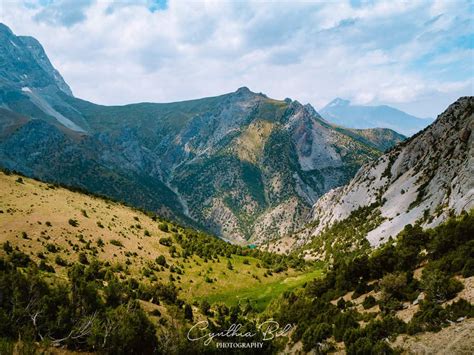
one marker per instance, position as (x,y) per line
(379,52)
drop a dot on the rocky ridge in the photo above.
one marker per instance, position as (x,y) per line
(422,180)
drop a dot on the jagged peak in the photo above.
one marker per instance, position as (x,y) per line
(30,50)
(312,110)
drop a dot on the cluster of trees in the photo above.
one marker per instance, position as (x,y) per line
(445,251)
(347,237)
(208,247)
(90,311)
(80,314)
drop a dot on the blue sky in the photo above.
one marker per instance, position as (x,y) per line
(414,55)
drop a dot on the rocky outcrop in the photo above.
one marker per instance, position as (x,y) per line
(424,179)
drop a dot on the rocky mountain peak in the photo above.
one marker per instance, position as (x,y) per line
(422,180)
(26,65)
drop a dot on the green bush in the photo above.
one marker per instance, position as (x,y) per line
(163,227)
(83,258)
(166,241)
(160,260)
(468,269)
(343,322)
(7,247)
(73,222)
(60,261)
(393,286)
(205,307)
(188,312)
(438,286)
(369,302)
(116,242)
(315,335)
(45,267)
(51,248)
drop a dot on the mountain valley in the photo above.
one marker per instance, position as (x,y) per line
(157,228)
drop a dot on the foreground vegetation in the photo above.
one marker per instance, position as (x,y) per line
(87,274)
(324,317)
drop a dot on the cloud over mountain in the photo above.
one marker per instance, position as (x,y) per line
(170,50)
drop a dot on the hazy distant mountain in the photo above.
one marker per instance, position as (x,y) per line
(242,165)
(343,113)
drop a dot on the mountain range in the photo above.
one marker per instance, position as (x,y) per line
(421,181)
(343,112)
(241,165)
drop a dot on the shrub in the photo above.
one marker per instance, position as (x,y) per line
(341,304)
(51,248)
(343,322)
(83,258)
(73,222)
(7,247)
(369,302)
(156,313)
(19,259)
(468,269)
(188,312)
(60,261)
(160,260)
(208,279)
(45,267)
(116,242)
(438,286)
(360,347)
(393,286)
(360,289)
(163,227)
(381,329)
(205,307)
(388,305)
(430,317)
(132,332)
(166,241)
(315,335)
(458,309)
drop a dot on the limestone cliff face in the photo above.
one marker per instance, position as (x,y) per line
(425,179)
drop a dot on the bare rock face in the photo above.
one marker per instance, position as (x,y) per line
(424,179)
